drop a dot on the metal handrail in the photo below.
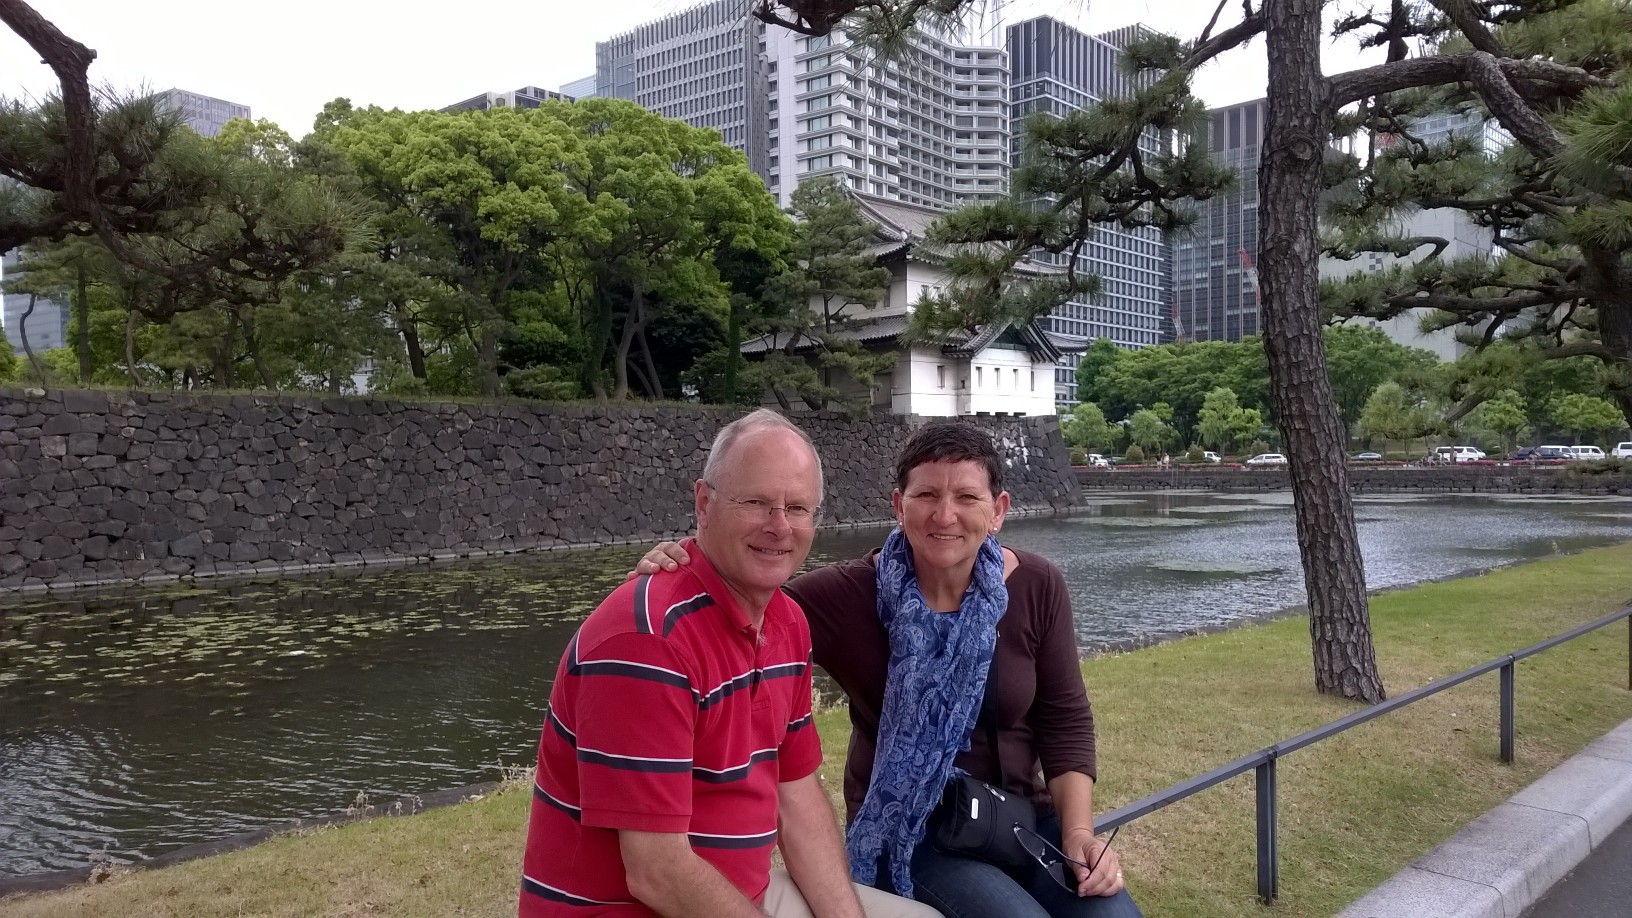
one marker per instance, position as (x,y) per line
(1263,761)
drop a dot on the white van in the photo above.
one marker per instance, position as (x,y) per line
(1622,450)
(1458,454)
(1586,452)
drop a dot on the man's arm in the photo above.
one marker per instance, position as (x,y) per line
(669,878)
(813,850)
(1073,794)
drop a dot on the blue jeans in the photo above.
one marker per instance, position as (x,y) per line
(962,887)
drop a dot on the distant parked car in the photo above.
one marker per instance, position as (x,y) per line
(1622,450)
(1368,457)
(1095,460)
(1266,459)
(1457,454)
(1551,451)
(1524,453)
(1586,452)
(1211,456)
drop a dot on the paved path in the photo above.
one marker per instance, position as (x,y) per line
(1600,888)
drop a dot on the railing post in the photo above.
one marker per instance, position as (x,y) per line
(1507,711)
(1269,870)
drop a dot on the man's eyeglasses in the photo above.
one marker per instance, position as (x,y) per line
(760,511)
(1056,863)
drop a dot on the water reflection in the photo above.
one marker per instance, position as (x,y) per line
(139,722)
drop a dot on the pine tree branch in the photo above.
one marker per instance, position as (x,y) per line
(1465,17)
(71,61)
(1439,69)
(1518,250)
(1241,33)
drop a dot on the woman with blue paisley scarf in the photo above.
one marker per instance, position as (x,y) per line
(909,633)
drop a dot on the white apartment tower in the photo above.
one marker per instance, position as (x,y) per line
(928,128)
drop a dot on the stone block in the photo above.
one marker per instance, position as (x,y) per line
(1519,851)
(54,447)
(1597,790)
(84,401)
(60,424)
(190,545)
(1616,745)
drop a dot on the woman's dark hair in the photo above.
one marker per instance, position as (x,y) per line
(949,441)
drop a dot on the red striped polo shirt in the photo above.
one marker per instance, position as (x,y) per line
(670,713)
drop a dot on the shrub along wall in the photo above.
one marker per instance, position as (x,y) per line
(1503,479)
(109,486)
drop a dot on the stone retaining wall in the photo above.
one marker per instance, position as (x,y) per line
(111,486)
(1472,478)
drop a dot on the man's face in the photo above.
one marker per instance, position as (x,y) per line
(742,524)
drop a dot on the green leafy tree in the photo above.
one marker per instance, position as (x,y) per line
(1146,429)
(1359,358)
(1213,421)
(832,280)
(1503,416)
(1393,413)
(1086,427)
(1587,417)
(1096,362)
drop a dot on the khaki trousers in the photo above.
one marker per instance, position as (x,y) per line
(782,900)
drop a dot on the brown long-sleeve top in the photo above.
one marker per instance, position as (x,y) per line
(1045,724)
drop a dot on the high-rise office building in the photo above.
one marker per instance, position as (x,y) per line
(1055,70)
(580,89)
(705,66)
(1215,278)
(929,128)
(47,324)
(205,114)
(525,97)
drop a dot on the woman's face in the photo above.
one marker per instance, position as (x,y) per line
(947,509)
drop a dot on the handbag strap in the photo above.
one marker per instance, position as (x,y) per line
(988,713)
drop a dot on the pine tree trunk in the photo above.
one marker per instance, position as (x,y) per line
(22,335)
(130,347)
(410,340)
(1297,126)
(83,338)
(487,359)
(733,353)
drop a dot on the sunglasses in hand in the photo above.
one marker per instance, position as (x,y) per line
(1056,863)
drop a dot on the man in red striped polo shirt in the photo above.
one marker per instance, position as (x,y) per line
(679,748)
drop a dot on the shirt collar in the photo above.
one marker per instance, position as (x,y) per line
(703,570)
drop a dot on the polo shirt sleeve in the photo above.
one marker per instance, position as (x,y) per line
(635,717)
(801,751)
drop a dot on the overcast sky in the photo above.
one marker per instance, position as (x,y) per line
(285,59)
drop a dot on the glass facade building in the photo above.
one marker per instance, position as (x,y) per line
(1055,70)
(705,66)
(1215,279)
(205,114)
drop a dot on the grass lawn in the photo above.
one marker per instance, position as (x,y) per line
(1353,809)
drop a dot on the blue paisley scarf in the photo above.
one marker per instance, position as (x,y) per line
(932,695)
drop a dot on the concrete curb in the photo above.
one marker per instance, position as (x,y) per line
(1505,860)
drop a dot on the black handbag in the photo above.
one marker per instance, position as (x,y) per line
(976,819)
